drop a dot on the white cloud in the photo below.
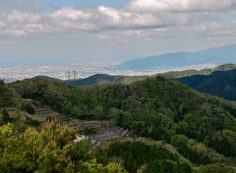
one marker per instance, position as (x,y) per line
(71,14)
(181,5)
(118,19)
(127,35)
(98,19)
(17,23)
(138,18)
(16,32)
(35,27)
(206,27)
(105,18)
(70,18)
(17,16)
(2,25)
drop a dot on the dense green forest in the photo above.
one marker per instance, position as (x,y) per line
(196,132)
(50,150)
(199,126)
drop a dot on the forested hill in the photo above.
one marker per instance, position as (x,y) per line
(104,79)
(222,83)
(185,131)
(157,108)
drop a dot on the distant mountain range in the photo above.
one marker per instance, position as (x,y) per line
(216,56)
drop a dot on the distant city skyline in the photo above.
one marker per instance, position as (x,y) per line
(57,31)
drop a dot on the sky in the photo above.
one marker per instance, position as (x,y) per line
(59,31)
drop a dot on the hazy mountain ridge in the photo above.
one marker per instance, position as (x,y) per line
(213,56)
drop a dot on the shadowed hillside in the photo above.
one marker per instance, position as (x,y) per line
(221,83)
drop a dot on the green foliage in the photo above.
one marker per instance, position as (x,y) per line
(136,154)
(93,167)
(5,131)
(215,168)
(32,122)
(196,152)
(28,108)
(8,96)
(50,150)
(224,142)
(167,166)
(59,96)
(6,117)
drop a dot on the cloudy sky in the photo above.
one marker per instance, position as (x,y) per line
(57,31)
